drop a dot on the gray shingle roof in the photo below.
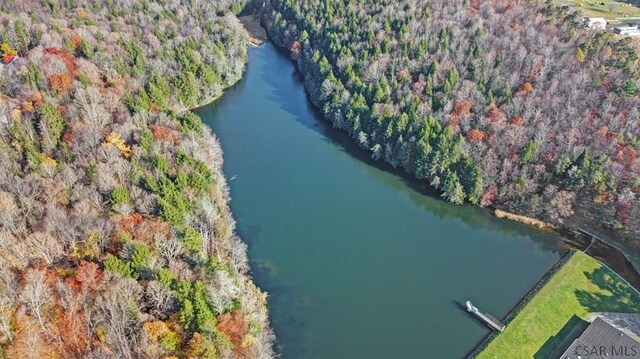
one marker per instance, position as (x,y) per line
(601,340)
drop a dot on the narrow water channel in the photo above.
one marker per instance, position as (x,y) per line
(359,260)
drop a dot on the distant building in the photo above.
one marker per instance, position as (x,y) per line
(610,335)
(619,29)
(631,30)
(598,23)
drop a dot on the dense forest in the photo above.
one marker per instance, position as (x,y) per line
(510,104)
(116,240)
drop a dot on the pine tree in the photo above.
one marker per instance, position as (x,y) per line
(628,89)
(529,152)
(453,190)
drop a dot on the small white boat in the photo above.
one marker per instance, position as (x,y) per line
(471,308)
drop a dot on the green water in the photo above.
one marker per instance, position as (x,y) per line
(360,261)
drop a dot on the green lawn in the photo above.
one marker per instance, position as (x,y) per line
(554,316)
(610,10)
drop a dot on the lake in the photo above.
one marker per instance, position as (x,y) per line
(359,259)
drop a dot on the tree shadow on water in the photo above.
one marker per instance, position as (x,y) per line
(613,295)
(289,94)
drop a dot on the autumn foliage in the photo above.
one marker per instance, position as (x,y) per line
(7,58)
(165,134)
(526,88)
(538,107)
(8,53)
(489,196)
(295,50)
(627,156)
(115,139)
(109,208)
(462,108)
(517,120)
(476,136)
(144,229)
(234,326)
(60,82)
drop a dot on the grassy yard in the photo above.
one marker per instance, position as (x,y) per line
(610,10)
(555,315)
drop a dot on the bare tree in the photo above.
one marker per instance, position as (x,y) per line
(44,246)
(89,102)
(160,299)
(117,311)
(6,314)
(169,248)
(36,294)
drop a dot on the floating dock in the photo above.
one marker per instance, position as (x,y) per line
(492,322)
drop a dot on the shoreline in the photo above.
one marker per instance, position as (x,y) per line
(531,221)
(253,40)
(563,229)
(256,295)
(255,33)
(517,307)
(536,292)
(568,232)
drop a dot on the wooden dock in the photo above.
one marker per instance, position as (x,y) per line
(492,322)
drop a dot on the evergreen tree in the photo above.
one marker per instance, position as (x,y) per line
(187,86)
(453,191)
(530,150)
(628,89)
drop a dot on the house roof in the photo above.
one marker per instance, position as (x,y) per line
(602,340)
(629,323)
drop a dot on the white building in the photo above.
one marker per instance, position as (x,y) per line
(635,32)
(627,30)
(598,23)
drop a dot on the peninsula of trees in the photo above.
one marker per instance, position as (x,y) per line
(116,240)
(501,103)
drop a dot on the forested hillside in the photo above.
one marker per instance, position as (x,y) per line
(116,240)
(498,103)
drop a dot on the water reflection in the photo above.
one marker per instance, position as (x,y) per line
(424,196)
(359,258)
